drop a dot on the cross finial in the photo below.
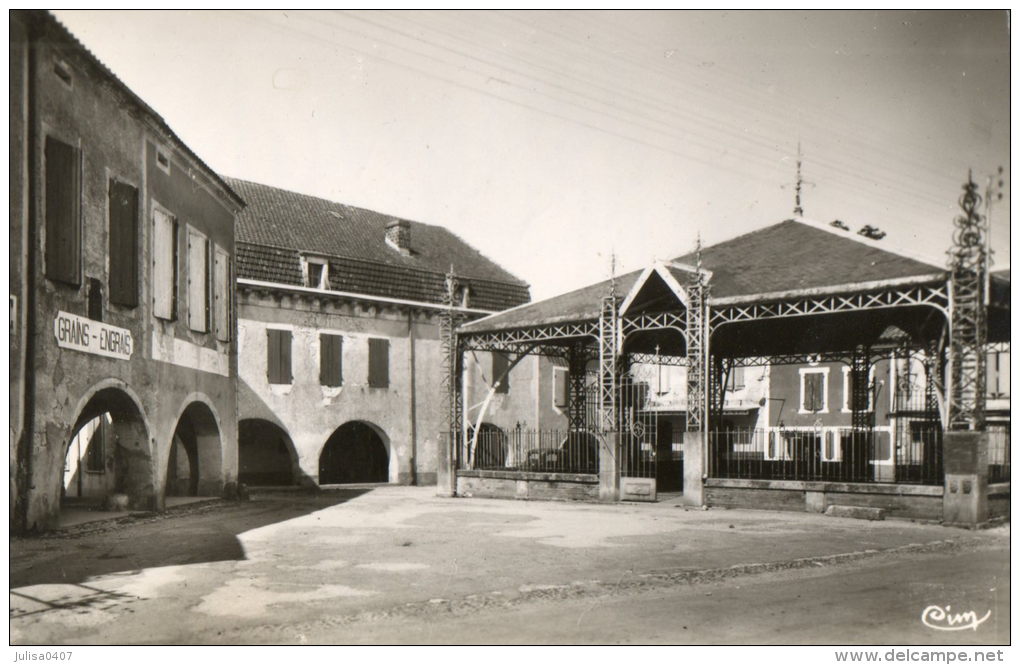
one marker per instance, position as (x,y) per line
(612,274)
(797,208)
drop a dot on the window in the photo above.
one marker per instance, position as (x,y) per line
(500,366)
(316,272)
(198,281)
(221,294)
(94,299)
(378,363)
(560,391)
(164,265)
(331,360)
(814,388)
(63,212)
(736,380)
(123,244)
(278,356)
(997,371)
(848,389)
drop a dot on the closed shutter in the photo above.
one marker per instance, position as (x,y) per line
(500,363)
(278,344)
(330,360)
(379,363)
(221,294)
(164,269)
(198,281)
(813,398)
(123,244)
(63,212)
(560,377)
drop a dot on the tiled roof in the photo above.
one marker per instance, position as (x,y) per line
(278,226)
(790,255)
(796,255)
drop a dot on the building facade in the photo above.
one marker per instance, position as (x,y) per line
(340,361)
(123,359)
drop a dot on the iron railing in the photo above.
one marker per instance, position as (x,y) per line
(836,454)
(522,449)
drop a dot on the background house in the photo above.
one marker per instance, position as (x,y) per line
(340,359)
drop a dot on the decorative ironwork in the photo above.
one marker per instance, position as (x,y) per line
(969,329)
(935,295)
(697,348)
(719,372)
(656,359)
(577,363)
(862,415)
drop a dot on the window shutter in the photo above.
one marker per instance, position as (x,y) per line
(500,362)
(164,272)
(813,392)
(198,281)
(221,294)
(379,363)
(560,388)
(278,343)
(123,244)
(63,212)
(330,360)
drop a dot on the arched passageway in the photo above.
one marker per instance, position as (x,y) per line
(195,462)
(355,453)
(108,454)
(265,454)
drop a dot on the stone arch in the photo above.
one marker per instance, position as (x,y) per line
(265,454)
(108,450)
(356,452)
(195,456)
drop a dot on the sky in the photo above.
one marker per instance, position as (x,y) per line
(563,143)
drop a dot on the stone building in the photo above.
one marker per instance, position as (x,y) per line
(339,351)
(122,331)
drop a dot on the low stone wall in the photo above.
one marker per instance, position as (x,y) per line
(913,501)
(998,500)
(528,485)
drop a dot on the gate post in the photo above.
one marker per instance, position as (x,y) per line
(965,495)
(446,467)
(694,468)
(609,467)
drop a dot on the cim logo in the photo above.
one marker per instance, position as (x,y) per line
(81,334)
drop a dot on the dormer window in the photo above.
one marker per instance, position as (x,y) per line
(316,272)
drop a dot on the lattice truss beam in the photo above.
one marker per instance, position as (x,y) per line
(654,321)
(561,333)
(936,295)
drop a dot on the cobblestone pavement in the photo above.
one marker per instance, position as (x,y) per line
(397,564)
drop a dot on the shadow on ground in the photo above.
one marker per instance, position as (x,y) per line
(202,535)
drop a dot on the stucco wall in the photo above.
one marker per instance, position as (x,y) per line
(411,419)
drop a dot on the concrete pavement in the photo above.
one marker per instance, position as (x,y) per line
(285,568)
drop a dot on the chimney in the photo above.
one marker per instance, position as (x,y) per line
(398,235)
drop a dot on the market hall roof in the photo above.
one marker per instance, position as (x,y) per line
(278,227)
(791,256)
